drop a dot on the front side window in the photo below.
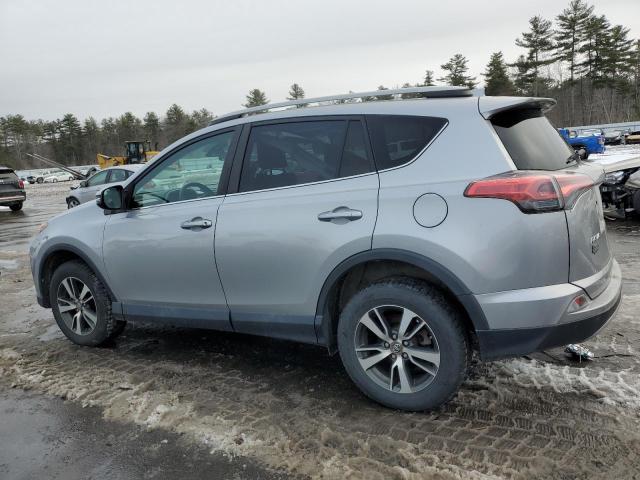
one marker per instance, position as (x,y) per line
(398,139)
(98,179)
(192,172)
(292,154)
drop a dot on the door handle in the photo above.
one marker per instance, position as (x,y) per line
(340,213)
(196,223)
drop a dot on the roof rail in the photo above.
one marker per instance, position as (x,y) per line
(426,92)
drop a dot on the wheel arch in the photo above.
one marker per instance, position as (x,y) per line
(414,264)
(56,256)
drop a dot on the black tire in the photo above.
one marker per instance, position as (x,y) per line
(441,318)
(72,202)
(106,326)
(40,180)
(15,207)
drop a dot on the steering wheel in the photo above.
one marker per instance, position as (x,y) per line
(195,185)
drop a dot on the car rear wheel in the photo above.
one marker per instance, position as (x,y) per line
(15,207)
(81,305)
(72,202)
(403,344)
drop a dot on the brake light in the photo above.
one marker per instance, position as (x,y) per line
(20,183)
(532,192)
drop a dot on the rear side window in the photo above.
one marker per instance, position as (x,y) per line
(398,139)
(292,153)
(531,140)
(118,175)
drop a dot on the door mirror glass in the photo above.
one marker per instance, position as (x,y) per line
(110,198)
(83,183)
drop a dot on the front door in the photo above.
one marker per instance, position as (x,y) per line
(159,254)
(307,200)
(93,186)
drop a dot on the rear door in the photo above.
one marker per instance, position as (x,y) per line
(534,144)
(306,201)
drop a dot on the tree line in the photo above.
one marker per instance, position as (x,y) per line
(591,67)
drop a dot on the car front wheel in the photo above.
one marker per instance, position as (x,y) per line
(403,344)
(15,207)
(81,305)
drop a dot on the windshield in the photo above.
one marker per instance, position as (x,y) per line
(531,140)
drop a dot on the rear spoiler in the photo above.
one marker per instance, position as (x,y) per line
(490,106)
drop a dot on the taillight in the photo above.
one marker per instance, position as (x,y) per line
(532,192)
(20,183)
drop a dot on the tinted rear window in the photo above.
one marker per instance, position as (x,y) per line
(531,140)
(7,173)
(396,139)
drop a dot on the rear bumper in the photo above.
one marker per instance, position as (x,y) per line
(14,198)
(559,329)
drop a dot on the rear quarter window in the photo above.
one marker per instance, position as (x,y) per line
(531,141)
(397,139)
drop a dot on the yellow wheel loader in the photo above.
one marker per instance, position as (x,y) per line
(136,152)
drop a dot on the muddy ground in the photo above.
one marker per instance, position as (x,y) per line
(291,409)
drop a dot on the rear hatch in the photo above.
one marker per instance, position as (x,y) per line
(535,146)
(9,183)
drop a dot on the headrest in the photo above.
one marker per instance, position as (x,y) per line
(270,157)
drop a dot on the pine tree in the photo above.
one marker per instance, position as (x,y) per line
(457,76)
(618,59)
(497,81)
(570,33)
(255,98)
(151,127)
(539,43)
(428,79)
(524,76)
(597,40)
(296,92)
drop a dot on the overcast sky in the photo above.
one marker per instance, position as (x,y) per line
(103,58)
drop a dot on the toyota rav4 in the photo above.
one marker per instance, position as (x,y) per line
(366,227)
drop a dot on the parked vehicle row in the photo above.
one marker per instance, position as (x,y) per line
(342,226)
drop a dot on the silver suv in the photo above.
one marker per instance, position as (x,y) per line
(402,234)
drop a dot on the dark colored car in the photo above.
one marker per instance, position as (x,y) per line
(613,137)
(12,192)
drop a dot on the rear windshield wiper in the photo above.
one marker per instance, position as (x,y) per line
(574,157)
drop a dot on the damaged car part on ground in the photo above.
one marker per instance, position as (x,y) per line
(341,226)
(621,187)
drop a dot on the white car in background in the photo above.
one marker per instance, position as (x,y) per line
(88,189)
(58,177)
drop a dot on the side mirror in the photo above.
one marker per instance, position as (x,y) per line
(111,199)
(83,183)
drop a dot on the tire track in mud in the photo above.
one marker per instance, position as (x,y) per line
(507,421)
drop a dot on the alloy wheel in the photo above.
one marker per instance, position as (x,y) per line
(397,349)
(77,306)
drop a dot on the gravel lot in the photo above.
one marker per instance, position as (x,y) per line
(292,409)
